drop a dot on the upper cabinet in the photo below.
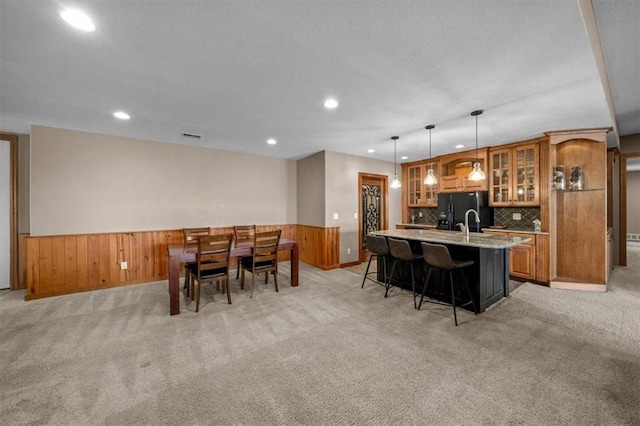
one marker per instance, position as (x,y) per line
(419,194)
(431,191)
(514,178)
(455,171)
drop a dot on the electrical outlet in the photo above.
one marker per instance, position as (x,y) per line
(123,265)
(517,216)
(355,215)
(419,214)
(336,216)
(348,251)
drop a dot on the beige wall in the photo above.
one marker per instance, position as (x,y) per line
(90,183)
(633,202)
(342,197)
(23,184)
(631,144)
(311,190)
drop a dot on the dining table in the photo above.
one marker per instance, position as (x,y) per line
(179,254)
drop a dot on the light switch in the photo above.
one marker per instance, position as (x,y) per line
(336,216)
(355,215)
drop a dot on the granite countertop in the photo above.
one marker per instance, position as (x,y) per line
(515,230)
(455,237)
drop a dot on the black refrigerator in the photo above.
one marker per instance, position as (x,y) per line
(453,206)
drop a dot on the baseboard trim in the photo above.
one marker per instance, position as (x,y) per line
(349,264)
(566,285)
(327,267)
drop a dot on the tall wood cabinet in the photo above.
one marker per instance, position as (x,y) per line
(514,177)
(578,218)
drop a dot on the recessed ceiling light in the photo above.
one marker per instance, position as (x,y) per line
(330,103)
(404,157)
(459,146)
(371,151)
(121,115)
(77,19)
(272,141)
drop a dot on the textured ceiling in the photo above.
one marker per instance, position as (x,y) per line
(239,73)
(619,34)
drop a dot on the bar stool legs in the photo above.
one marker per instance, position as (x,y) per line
(453,294)
(400,250)
(378,247)
(437,256)
(413,281)
(384,270)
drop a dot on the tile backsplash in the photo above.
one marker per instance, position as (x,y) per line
(429,216)
(501,216)
(504,216)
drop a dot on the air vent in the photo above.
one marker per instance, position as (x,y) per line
(191,135)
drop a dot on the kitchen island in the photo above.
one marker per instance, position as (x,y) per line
(488,277)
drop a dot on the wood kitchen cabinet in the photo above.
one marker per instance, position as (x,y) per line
(414,185)
(542,258)
(578,231)
(523,258)
(461,183)
(455,171)
(514,177)
(419,194)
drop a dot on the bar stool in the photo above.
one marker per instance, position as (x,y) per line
(400,250)
(378,247)
(437,256)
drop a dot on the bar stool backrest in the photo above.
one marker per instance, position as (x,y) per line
(437,255)
(400,249)
(377,244)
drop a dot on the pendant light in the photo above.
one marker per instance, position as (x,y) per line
(395,183)
(431,178)
(477,173)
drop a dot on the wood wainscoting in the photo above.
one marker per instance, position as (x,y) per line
(64,264)
(319,246)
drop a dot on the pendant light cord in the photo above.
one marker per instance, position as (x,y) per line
(476,114)
(395,161)
(476,138)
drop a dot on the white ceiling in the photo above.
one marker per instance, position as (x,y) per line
(239,73)
(619,33)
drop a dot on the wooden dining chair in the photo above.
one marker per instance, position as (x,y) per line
(264,259)
(190,238)
(243,234)
(212,264)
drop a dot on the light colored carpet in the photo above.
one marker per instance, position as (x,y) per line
(326,352)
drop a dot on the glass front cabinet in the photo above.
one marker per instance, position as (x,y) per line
(514,176)
(419,194)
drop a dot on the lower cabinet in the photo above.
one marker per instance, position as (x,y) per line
(529,260)
(522,259)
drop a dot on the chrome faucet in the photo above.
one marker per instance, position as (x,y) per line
(466,221)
